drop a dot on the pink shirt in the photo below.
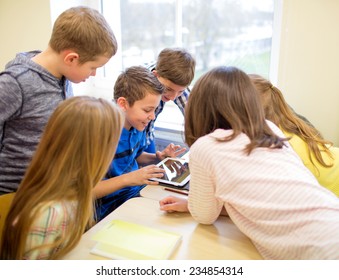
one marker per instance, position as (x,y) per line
(270,195)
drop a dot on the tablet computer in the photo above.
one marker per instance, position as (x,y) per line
(177,172)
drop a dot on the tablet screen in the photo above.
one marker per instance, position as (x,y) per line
(176,171)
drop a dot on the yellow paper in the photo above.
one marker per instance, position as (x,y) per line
(124,240)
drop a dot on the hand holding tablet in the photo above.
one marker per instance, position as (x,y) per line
(176,172)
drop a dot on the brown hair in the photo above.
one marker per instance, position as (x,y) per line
(277,111)
(85,31)
(225,98)
(76,148)
(134,82)
(176,65)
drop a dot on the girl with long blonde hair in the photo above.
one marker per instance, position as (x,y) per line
(318,154)
(54,203)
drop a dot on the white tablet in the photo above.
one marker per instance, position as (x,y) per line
(176,173)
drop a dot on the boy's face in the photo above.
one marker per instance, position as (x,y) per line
(142,111)
(80,72)
(172,91)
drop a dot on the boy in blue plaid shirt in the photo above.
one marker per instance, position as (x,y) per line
(174,68)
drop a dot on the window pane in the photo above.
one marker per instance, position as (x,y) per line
(229,32)
(146,28)
(216,32)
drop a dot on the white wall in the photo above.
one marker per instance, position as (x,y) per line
(24,26)
(308,71)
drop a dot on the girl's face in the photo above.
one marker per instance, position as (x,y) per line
(142,111)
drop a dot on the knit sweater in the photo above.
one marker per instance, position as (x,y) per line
(28,96)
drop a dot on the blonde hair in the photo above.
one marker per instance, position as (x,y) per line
(225,98)
(74,153)
(278,111)
(85,31)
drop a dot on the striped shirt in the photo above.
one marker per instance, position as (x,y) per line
(180,101)
(270,195)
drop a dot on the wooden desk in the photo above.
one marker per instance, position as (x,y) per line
(157,192)
(222,240)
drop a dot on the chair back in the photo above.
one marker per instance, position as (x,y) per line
(5,204)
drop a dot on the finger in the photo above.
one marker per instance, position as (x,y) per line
(170,167)
(148,182)
(166,207)
(158,170)
(180,151)
(162,202)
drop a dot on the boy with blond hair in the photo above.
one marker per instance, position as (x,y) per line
(34,83)
(137,92)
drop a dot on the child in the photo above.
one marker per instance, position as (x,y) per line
(54,203)
(318,155)
(137,92)
(174,68)
(34,83)
(243,164)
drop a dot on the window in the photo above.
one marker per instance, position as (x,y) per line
(234,32)
(216,32)
(228,32)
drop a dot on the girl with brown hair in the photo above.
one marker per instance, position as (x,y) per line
(243,165)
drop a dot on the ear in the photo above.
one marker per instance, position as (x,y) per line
(155,73)
(122,103)
(71,57)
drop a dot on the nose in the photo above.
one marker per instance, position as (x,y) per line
(93,73)
(151,116)
(172,95)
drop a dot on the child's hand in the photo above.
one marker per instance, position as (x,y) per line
(173,204)
(143,175)
(170,151)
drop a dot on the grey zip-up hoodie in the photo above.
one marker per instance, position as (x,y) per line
(28,96)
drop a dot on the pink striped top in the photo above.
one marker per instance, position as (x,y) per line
(270,195)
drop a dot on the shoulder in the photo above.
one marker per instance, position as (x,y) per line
(275,129)
(130,137)
(55,214)
(209,141)
(9,84)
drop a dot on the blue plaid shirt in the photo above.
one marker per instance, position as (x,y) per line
(180,101)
